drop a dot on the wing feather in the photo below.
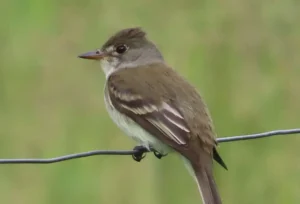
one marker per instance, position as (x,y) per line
(163,117)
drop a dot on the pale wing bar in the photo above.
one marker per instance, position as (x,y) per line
(165,118)
(168,120)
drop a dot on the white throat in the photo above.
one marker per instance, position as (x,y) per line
(113,66)
(108,67)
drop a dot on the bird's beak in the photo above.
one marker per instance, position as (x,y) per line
(94,55)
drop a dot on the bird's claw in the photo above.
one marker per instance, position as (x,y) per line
(139,153)
(159,155)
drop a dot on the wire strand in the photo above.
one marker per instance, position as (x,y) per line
(259,135)
(131,152)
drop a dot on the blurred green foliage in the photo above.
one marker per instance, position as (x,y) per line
(243,55)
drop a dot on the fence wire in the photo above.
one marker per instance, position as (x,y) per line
(132,152)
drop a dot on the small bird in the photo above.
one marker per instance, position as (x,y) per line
(156,106)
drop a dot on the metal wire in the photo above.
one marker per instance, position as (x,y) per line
(259,135)
(131,152)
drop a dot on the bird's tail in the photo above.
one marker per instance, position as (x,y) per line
(203,174)
(206,184)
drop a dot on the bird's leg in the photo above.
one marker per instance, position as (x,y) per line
(140,153)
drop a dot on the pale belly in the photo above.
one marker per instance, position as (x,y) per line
(133,130)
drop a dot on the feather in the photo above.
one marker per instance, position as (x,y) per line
(160,115)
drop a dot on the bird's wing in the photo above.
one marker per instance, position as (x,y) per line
(160,118)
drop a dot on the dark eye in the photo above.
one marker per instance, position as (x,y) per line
(121,49)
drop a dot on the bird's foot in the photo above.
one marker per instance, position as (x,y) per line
(140,153)
(141,150)
(159,155)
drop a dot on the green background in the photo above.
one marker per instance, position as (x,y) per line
(242,55)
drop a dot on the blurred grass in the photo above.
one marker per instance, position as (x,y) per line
(241,55)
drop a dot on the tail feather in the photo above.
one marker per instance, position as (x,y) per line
(207,186)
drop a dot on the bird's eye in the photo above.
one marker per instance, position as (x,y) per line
(120,49)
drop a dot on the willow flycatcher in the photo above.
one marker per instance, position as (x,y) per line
(156,106)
